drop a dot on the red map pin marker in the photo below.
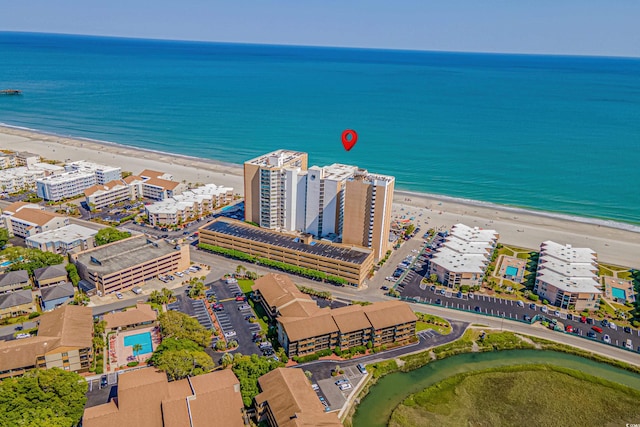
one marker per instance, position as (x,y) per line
(349,139)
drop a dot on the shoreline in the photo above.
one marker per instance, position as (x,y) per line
(615,242)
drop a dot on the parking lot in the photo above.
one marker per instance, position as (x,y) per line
(194,308)
(232,312)
(329,388)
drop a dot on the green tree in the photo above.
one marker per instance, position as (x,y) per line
(409,230)
(174,324)
(226,360)
(72,271)
(197,288)
(433,277)
(248,369)
(40,398)
(172,344)
(137,348)
(180,364)
(109,235)
(4,236)
(30,259)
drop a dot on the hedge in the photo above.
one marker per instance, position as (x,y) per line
(301,271)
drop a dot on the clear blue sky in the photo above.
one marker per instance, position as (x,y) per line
(578,27)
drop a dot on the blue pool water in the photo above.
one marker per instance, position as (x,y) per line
(511,271)
(618,293)
(6,264)
(143,338)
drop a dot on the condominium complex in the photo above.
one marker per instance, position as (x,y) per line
(158,185)
(121,265)
(351,263)
(147,399)
(64,341)
(336,202)
(102,195)
(464,256)
(14,280)
(304,328)
(286,399)
(27,219)
(367,211)
(16,303)
(103,173)
(567,276)
(63,240)
(189,205)
(64,185)
(19,178)
(14,159)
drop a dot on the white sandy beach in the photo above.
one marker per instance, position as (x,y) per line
(517,227)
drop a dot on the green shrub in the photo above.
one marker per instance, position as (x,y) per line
(34,315)
(133,363)
(533,297)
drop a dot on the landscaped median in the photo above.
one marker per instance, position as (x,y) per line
(474,340)
(294,269)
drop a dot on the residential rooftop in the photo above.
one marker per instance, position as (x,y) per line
(275,159)
(567,253)
(351,254)
(67,234)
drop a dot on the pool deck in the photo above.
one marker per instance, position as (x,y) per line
(508,261)
(120,355)
(613,282)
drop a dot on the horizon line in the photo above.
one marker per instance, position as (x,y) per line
(321,46)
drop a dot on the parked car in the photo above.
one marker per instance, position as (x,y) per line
(532,306)
(527,318)
(229,334)
(628,345)
(244,307)
(606,338)
(477,309)
(242,298)
(520,303)
(627,329)
(544,309)
(119,295)
(315,387)
(344,387)
(342,381)
(439,301)
(591,334)
(384,288)
(598,329)
(569,328)
(613,326)
(103,381)
(361,368)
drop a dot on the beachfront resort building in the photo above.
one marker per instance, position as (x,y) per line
(28,219)
(63,240)
(19,179)
(286,399)
(304,328)
(464,256)
(64,341)
(189,206)
(122,265)
(567,277)
(157,185)
(65,185)
(15,159)
(351,263)
(336,202)
(103,173)
(102,195)
(147,399)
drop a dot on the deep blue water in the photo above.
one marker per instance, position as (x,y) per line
(551,133)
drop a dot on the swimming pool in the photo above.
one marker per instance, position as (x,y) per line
(143,339)
(618,293)
(511,271)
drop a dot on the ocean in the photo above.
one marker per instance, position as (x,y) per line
(550,133)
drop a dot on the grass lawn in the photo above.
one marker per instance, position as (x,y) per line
(259,310)
(429,321)
(604,271)
(524,395)
(245,285)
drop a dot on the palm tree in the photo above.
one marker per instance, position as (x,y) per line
(308,374)
(226,360)
(137,347)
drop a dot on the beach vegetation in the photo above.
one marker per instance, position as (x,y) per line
(43,398)
(110,235)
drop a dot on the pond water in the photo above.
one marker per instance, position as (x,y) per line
(375,409)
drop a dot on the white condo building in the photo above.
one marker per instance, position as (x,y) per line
(189,205)
(65,185)
(104,174)
(464,256)
(19,178)
(568,276)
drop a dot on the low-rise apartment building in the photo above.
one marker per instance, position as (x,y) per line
(351,263)
(19,178)
(464,256)
(121,265)
(14,280)
(304,328)
(567,277)
(103,174)
(286,399)
(188,206)
(69,238)
(25,220)
(16,303)
(102,195)
(50,275)
(64,341)
(141,316)
(147,399)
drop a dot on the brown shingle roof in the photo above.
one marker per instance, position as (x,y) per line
(146,399)
(350,318)
(278,290)
(15,206)
(68,326)
(298,328)
(141,314)
(106,187)
(150,173)
(299,308)
(132,178)
(35,216)
(292,400)
(389,313)
(167,185)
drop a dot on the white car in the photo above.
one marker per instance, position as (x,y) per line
(315,387)
(606,339)
(179,274)
(613,326)
(119,295)
(20,336)
(230,334)
(344,387)
(544,309)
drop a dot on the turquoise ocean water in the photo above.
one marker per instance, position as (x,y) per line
(552,133)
